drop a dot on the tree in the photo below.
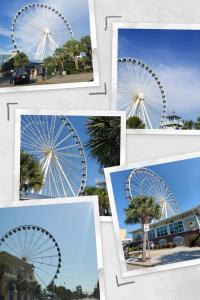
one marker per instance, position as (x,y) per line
(142,209)
(104,140)
(197,124)
(60,54)
(135,122)
(86,47)
(189,124)
(104,206)
(50,63)
(96,293)
(72,48)
(20,60)
(8,65)
(31,176)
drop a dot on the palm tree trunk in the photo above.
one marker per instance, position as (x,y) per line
(144,246)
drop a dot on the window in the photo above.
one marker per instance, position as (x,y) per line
(151,234)
(176,227)
(162,231)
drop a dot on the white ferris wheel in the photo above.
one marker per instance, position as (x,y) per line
(38,30)
(144,182)
(54,142)
(140,93)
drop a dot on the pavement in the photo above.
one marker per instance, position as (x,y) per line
(82,77)
(165,256)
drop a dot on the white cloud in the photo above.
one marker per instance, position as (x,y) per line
(4,31)
(182,87)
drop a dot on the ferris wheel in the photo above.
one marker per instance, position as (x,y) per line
(38,30)
(54,142)
(140,93)
(144,182)
(38,251)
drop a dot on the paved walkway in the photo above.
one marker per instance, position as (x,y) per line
(165,256)
(82,77)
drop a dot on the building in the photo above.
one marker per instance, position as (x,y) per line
(173,121)
(123,236)
(178,229)
(12,269)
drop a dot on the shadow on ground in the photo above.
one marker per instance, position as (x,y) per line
(179,257)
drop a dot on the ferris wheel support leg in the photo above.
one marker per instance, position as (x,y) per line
(143,114)
(60,177)
(40,49)
(52,41)
(173,213)
(150,125)
(133,109)
(63,173)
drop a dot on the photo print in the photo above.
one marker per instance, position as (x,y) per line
(152,66)
(63,154)
(47,45)
(156,213)
(39,255)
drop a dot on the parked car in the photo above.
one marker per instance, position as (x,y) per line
(19,78)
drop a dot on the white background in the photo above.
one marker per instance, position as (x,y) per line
(178,284)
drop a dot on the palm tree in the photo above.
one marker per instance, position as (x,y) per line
(60,54)
(20,60)
(72,48)
(31,176)
(87,48)
(104,140)
(142,209)
(197,124)
(189,124)
(135,122)
(104,206)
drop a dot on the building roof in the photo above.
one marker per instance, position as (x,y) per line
(170,219)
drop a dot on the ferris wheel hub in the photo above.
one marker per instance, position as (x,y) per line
(141,96)
(47,31)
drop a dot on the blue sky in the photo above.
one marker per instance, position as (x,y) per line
(72,226)
(75,11)
(183,178)
(79,124)
(175,57)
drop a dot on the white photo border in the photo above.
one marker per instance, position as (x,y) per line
(71,200)
(131,25)
(85,113)
(94,83)
(141,164)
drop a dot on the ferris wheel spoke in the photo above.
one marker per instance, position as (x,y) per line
(124,106)
(30,242)
(58,134)
(64,139)
(42,263)
(45,250)
(43,257)
(40,279)
(41,245)
(29,25)
(63,173)
(30,135)
(35,130)
(125,87)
